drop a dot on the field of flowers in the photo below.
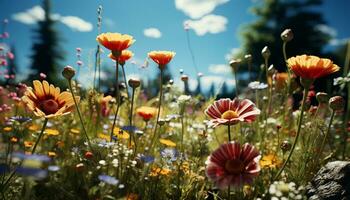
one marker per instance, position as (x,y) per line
(69,143)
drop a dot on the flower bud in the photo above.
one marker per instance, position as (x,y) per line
(68,72)
(171,81)
(285,145)
(322,97)
(134,83)
(336,103)
(234,63)
(88,155)
(184,78)
(265,52)
(287,35)
(248,57)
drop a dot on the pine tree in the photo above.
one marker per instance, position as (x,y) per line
(274,16)
(47,52)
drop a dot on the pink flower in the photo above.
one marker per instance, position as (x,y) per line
(230,112)
(233,165)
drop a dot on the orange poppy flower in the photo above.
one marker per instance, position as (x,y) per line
(281,80)
(146,112)
(47,101)
(126,55)
(162,58)
(311,67)
(115,41)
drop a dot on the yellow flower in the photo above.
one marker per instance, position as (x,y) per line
(33,127)
(115,41)
(311,67)
(146,112)
(75,131)
(167,142)
(270,161)
(47,101)
(28,144)
(120,133)
(124,56)
(7,129)
(52,154)
(52,132)
(132,196)
(14,139)
(104,136)
(156,171)
(162,58)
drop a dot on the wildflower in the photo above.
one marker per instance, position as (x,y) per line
(47,101)
(233,165)
(20,119)
(52,154)
(283,190)
(34,127)
(169,154)
(104,136)
(104,105)
(88,155)
(68,72)
(183,98)
(234,63)
(336,103)
(280,80)
(52,132)
(270,161)
(146,112)
(121,134)
(37,157)
(285,145)
(162,58)
(265,52)
(147,158)
(134,83)
(132,196)
(53,168)
(75,131)
(108,179)
(287,35)
(28,144)
(14,139)
(115,42)
(123,57)
(7,129)
(322,97)
(156,171)
(311,67)
(256,85)
(230,112)
(167,142)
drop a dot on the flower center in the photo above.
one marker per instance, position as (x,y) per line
(230,114)
(49,106)
(234,166)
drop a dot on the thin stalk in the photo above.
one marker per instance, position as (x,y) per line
(130,118)
(126,85)
(327,133)
(40,135)
(79,114)
(306,90)
(289,74)
(117,97)
(182,132)
(249,69)
(159,107)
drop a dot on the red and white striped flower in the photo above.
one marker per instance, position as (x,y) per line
(230,112)
(233,165)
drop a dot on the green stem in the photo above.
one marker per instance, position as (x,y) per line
(40,135)
(159,107)
(79,114)
(327,133)
(306,90)
(126,85)
(117,97)
(182,131)
(130,118)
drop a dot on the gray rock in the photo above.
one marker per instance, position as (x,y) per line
(332,182)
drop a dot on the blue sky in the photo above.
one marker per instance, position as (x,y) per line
(214,30)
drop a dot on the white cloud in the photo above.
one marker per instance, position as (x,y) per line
(233,52)
(37,13)
(219,69)
(76,23)
(197,8)
(208,24)
(30,16)
(207,81)
(326,29)
(152,33)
